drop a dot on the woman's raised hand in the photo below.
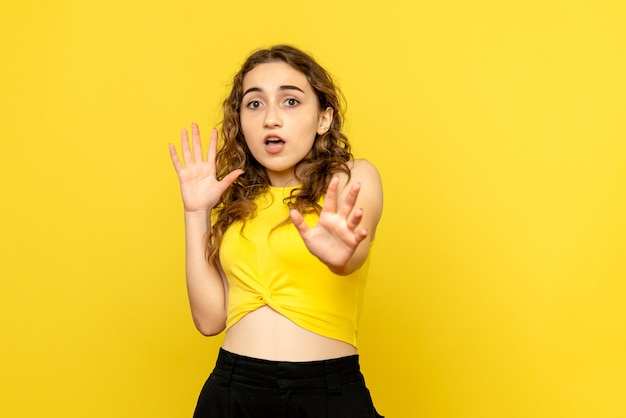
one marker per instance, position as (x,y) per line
(199,186)
(335,238)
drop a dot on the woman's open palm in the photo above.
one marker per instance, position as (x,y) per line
(335,238)
(199,186)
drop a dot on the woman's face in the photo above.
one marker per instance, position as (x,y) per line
(280,118)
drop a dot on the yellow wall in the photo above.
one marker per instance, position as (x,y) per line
(498,284)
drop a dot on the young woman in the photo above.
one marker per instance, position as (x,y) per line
(279,224)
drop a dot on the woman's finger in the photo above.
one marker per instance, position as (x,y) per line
(230,178)
(175,160)
(184,147)
(298,221)
(359,236)
(348,203)
(330,200)
(355,219)
(196,143)
(212,151)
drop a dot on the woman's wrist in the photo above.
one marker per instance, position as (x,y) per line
(198,218)
(198,213)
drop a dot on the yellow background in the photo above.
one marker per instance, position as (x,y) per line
(498,283)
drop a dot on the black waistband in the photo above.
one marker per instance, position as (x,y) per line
(330,374)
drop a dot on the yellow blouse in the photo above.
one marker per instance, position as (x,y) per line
(274,268)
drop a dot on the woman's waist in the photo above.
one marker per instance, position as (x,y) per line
(287,374)
(266,334)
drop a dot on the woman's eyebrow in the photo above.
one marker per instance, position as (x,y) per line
(251,90)
(260,90)
(291,88)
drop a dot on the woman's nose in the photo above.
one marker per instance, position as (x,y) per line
(272,117)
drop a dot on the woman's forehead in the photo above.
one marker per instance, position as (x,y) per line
(273,75)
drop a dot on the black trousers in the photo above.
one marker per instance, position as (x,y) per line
(245,387)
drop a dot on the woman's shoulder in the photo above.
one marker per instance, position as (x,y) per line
(362,167)
(370,192)
(366,174)
(361,171)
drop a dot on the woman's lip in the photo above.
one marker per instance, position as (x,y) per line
(274,147)
(272,135)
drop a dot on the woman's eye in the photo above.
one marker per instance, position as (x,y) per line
(255,104)
(292,102)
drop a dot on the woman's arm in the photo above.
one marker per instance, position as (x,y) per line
(205,288)
(370,202)
(201,191)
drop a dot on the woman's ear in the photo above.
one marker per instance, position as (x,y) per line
(324,120)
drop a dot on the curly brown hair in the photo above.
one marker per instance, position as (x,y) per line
(330,152)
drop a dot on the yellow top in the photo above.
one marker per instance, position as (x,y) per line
(274,268)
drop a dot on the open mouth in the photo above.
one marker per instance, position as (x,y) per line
(274,142)
(274,145)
